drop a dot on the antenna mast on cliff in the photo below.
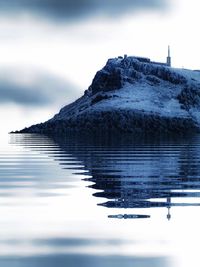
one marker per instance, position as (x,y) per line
(169,57)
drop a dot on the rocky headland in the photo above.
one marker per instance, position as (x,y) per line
(132,95)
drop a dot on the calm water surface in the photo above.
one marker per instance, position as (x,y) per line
(83,202)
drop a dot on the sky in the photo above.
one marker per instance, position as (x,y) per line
(50,50)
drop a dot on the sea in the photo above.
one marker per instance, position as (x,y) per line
(99,201)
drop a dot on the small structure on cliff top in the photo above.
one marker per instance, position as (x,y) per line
(148,60)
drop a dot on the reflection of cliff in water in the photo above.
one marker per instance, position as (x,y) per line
(137,174)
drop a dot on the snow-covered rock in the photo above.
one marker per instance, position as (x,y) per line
(129,95)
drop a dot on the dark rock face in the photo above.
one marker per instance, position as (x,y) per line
(190,97)
(99,97)
(117,72)
(163,73)
(107,81)
(153,79)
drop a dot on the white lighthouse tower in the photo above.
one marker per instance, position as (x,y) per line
(169,57)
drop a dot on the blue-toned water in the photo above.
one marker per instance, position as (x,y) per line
(76,201)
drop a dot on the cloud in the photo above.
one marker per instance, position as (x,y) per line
(77,9)
(76,259)
(35,88)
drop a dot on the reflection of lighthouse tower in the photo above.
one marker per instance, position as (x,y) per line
(168,207)
(169,57)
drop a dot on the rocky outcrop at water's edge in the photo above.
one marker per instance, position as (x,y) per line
(129,95)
